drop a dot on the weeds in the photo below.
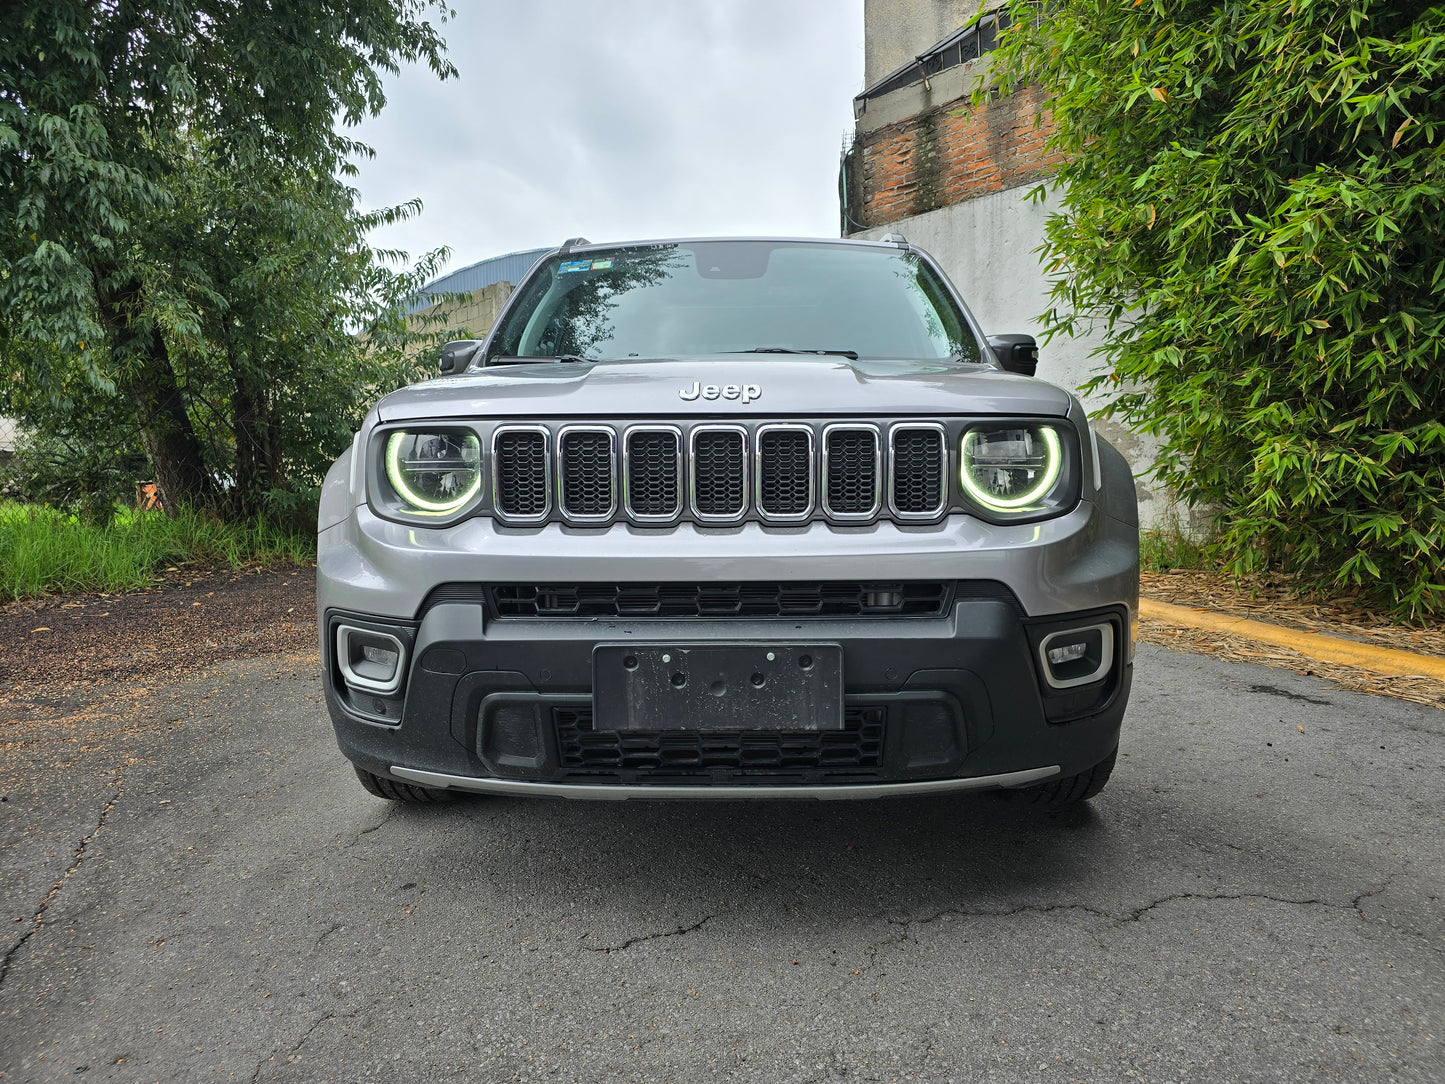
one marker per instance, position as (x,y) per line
(1164,549)
(43,550)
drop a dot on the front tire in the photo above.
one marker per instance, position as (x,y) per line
(1058,794)
(394,790)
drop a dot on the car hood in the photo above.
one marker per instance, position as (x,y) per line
(740,388)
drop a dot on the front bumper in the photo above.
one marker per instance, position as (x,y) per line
(950,701)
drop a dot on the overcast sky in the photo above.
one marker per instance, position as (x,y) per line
(618,120)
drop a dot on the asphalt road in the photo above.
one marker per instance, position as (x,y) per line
(219,899)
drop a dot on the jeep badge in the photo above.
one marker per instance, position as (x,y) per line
(743,392)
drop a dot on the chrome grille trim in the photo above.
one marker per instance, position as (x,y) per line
(761,476)
(917,515)
(497,471)
(875,506)
(678,486)
(712,517)
(611,480)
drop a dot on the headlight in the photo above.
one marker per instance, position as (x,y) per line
(433,473)
(1011,468)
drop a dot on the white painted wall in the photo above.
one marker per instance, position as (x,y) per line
(989,248)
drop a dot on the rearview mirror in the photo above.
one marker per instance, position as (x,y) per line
(457,354)
(1016,353)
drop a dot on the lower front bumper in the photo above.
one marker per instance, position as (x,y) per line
(946,703)
(614,793)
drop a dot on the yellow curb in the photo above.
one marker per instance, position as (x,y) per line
(1382,660)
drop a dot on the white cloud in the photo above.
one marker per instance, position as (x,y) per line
(619,120)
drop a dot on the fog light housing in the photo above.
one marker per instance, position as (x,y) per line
(1079,656)
(370,660)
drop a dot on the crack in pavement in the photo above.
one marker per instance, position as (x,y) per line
(680,931)
(391,808)
(39,919)
(256,1073)
(1118,921)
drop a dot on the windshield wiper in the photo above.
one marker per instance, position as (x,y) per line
(851,355)
(511,359)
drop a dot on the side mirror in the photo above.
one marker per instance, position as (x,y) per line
(1017,353)
(457,354)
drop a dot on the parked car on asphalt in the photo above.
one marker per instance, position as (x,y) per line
(727,519)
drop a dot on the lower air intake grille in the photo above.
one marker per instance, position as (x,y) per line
(521,469)
(826,599)
(918,471)
(855,752)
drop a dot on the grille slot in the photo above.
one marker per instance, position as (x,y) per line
(916,483)
(821,599)
(851,471)
(785,472)
(654,473)
(719,472)
(520,470)
(855,752)
(587,474)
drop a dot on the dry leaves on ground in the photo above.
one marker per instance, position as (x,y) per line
(1273,601)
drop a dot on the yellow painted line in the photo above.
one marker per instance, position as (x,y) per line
(1382,660)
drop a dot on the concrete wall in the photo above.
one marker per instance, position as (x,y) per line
(898,30)
(988,248)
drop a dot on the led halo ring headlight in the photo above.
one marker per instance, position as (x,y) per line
(433,473)
(1012,467)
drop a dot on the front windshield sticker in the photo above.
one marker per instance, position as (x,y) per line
(573,266)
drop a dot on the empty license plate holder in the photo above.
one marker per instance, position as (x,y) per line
(746,686)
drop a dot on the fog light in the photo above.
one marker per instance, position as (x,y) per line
(369,660)
(1077,656)
(1067,653)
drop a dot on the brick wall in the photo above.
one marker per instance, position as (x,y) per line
(947,154)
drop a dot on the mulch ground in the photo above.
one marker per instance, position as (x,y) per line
(58,653)
(1276,601)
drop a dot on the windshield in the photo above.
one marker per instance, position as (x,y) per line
(678,300)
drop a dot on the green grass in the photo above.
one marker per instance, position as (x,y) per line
(1168,548)
(43,551)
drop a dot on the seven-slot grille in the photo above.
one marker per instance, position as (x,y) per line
(654,473)
(587,473)
(785,471)
(520,473)
(720,473)
(917,479)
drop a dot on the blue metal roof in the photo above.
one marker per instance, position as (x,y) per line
(508,268)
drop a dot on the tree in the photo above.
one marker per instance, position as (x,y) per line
(1251,209)
(114,119)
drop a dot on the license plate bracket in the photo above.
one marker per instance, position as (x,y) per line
(730,686)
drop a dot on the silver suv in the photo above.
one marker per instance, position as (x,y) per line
(725,519)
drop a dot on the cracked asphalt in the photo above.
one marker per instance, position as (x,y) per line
(196,888)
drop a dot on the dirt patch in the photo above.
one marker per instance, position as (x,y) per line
(59,651)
